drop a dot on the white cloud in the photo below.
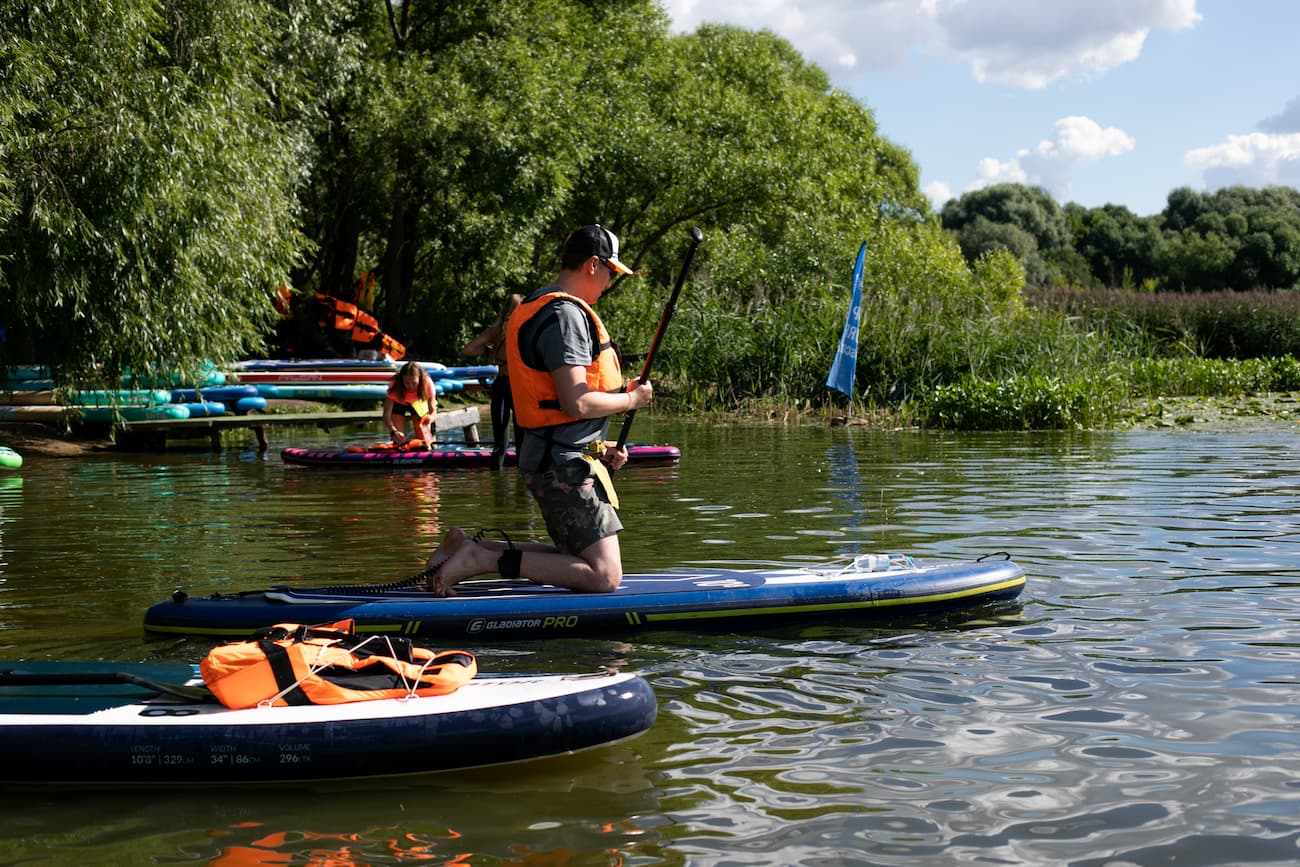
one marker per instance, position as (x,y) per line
(1288,120)
(991,171)
(937,192)
(1050,163)
(1256,159)
(1082,140)
(1030,43)
(840,36)
(1018,43)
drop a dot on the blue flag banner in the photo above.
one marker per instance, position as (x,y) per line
(846,357)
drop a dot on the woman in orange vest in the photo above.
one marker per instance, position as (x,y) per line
(566,383)
(410,392)
(492,340)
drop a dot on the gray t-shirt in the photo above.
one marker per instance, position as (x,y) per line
(559,335)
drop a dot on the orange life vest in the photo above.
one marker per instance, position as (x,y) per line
(411,445)
(537,403)
(292,664)
(363,328)
(334,312)
(391,347)
(284,301)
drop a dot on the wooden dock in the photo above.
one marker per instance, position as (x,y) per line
(152,435)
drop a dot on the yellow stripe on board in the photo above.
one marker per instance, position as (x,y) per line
(839,606)
(636,618)
(218,631)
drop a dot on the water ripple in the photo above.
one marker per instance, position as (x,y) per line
(1138,705)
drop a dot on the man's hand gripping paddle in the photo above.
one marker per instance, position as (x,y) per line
(696,237)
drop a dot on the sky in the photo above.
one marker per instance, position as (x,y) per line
(1098,101)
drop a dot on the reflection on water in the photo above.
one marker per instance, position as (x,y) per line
(577,804)
(1138,705)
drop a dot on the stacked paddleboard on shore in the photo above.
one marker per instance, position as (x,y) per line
(348,379)
(245,387)
(30,396)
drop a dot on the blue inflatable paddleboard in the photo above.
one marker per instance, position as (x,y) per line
(877,585)
(132,724)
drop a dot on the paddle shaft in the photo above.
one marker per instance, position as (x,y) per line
(696,237)
(104,678)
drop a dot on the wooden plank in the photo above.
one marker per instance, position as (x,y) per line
(142,433)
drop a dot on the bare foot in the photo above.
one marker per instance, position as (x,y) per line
(454,539)
(450,544)
(469,559)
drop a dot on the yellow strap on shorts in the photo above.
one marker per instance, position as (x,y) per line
(594,450)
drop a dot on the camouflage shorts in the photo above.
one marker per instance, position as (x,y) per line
(576,511)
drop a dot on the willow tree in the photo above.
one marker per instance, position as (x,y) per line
(147,209)
(450,162)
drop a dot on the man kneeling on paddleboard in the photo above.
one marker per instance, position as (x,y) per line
(566,383)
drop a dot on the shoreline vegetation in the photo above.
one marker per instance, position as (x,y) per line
(1068,359)
(1263,412)
(182,192)
(1253,412)
(1274,411)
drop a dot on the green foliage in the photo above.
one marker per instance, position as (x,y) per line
(717,355)
(507,137)
(147,197)
(1119,248)
(1235,238)
(1220,324)
(925,314)
(926,319)
(1031,209)
(1025,221)
(1210,377)
(1021,403)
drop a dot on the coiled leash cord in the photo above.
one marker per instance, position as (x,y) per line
(508,566)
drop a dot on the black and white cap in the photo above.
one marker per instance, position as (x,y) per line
(595,240)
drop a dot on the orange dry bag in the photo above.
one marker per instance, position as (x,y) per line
(292,664)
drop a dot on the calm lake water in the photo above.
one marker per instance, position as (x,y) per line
(1138,705)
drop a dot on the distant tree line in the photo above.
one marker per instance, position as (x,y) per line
(1236,238)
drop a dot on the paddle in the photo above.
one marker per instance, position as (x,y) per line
(696,237)
(101,678)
